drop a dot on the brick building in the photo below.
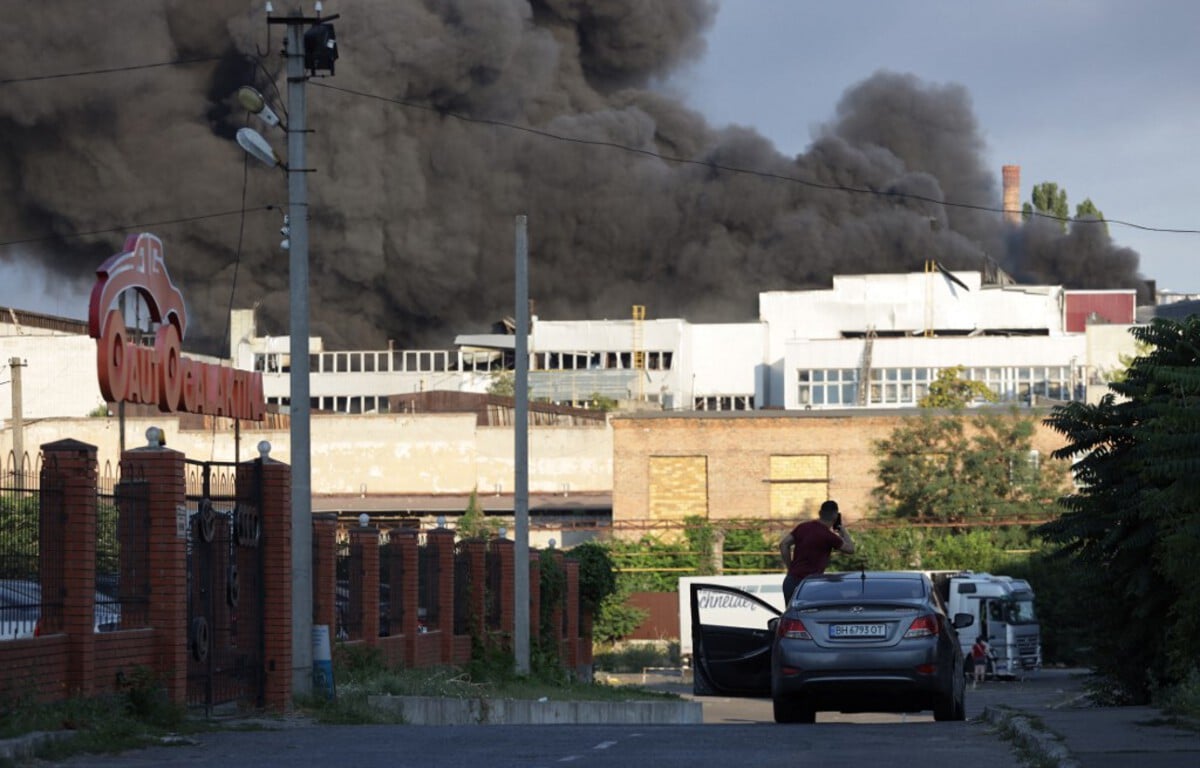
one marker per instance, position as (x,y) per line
(777,465)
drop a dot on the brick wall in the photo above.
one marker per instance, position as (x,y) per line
(655,452)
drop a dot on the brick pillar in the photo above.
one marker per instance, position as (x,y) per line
(535,598)
(68,553)
(324,570)
(163,471)
(476,550)
(445,597)
(572,614)
(366,541)
(276,539)
(504,550)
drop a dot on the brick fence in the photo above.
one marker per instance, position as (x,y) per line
(402,592)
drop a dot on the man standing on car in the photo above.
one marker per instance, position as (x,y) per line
(806,549)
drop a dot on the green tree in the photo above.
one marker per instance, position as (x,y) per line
(952,390)
(1130,529)
(504,384)
(1088,210)
(473,524)
(933,469)
(597,577)
(1048,200)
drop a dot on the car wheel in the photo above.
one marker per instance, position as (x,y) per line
(950,705)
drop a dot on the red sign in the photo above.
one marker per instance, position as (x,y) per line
(160,375)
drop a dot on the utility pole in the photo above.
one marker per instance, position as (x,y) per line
(15,365)
(300,56)
(521,456)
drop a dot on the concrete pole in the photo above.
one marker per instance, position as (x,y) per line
(302,592)
(18,419)
(521,456)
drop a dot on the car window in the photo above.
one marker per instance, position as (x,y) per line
(855,588)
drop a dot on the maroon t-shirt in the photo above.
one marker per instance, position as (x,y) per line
(812,542)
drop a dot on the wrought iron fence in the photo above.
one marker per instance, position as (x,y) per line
(495,576)
(428,608)
(24,606)
(462,590)
(391,591)
(348,565)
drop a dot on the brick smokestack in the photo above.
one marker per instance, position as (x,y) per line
(1012,193)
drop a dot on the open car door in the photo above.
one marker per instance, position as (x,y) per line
(732,632)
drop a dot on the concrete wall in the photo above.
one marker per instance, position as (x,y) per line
(374,454)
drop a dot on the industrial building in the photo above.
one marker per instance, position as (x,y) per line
(803,389)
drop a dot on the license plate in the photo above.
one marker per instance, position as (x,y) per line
(857,630)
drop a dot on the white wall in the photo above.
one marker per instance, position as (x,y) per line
(376,454)
(58,379)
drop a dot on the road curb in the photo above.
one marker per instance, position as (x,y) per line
(1045,745)
(428,710)
(27,745)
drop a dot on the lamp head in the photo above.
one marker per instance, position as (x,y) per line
(255,104)
(253,142)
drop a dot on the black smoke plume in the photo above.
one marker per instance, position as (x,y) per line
(413,208)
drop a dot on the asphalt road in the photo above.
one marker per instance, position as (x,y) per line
(736,732)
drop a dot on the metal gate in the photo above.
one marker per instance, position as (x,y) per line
(225,601)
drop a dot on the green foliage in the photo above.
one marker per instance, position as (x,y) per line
(636,657)
(19,522)
(931,470)
(473,524)
(504,384)
(553,589)
(952,390)
(650,565)
(1048,200)
(597,578)
(1088,210)
(750,550)
(100,411)
(701,537)
(601,402)
(616,619)
(1131,526)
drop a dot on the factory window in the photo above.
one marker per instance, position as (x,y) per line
(723,403)
(836,387)
(897,386)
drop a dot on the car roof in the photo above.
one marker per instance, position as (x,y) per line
(869,575)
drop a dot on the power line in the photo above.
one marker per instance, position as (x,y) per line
(141,225)
(110,70)
(734,169)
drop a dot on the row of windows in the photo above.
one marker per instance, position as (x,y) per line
(907,386)
(434,361)
(576,361)
(723,403)
(358,404)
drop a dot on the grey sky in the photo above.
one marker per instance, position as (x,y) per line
(1098,96)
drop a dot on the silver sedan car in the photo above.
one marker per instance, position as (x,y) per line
(864,641)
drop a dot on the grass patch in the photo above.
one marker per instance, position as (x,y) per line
(360,672)
(137,715)
(634,657)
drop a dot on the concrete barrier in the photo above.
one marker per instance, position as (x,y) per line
(426,710)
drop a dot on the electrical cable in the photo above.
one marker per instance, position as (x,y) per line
(110,70)
(142,225)
(745,171)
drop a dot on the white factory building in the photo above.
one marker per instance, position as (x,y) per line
(869,341)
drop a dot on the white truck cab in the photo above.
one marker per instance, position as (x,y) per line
(1004,613)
